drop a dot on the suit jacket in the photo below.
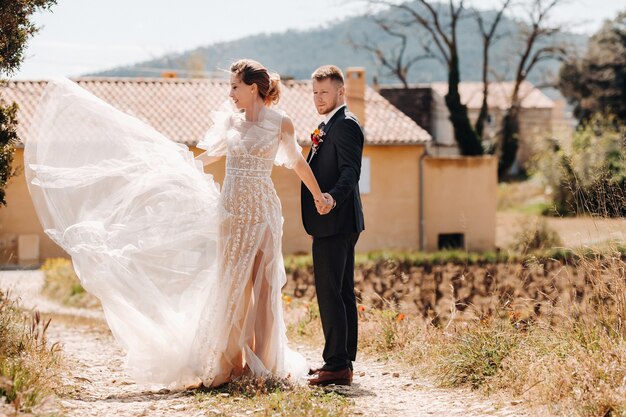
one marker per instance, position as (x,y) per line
(337,168)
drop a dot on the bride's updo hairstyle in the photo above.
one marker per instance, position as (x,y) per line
(251,72)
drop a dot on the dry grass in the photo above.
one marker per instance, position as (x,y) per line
(467,285)
(306,327)
(271,397)
(563,347)
(571,357)
(535,235)
(576,358)
(29,368)
(62,284)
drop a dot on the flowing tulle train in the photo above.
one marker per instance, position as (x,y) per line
(142,222)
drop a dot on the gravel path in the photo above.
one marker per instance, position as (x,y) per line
(100,387)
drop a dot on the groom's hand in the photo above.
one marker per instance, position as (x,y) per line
(322,204)
(326,205)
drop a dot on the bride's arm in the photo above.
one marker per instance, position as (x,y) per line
(300,166)
(214,140)
(306,176)
(206,159)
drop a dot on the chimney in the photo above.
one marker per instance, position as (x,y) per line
(355,91)
(169,74)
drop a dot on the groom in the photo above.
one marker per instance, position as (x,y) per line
(335,224)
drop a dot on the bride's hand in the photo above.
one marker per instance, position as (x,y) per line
(324,203)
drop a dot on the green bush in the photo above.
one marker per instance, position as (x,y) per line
(589,178)
(476,355)
(62,284)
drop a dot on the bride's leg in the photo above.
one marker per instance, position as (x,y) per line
(240,334)
(249,337)
(255,280)
(264,325)
(232,359)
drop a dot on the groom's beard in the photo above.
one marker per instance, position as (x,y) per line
(330,107)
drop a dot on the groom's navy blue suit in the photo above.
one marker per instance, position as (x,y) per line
(337,168)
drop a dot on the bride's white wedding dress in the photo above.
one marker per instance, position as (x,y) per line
(189,278)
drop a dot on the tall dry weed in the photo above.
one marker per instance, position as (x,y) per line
(28,365)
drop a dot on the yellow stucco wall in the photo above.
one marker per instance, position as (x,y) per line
(19,217)
(460,197)
(391,207)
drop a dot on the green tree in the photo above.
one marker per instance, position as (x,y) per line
(590,176)
(596,83)
(16,29)
(8,139)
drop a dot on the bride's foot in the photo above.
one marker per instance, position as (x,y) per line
(194,386)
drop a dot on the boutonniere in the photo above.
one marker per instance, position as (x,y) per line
(317,137)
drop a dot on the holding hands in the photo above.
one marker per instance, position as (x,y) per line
(324,203)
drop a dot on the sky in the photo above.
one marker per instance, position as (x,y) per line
(80,36)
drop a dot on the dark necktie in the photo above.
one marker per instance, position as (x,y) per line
(321,126)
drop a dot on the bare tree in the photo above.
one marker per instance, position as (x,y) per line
(445,40)
(430,16)
(395,61)
(489,37)
(535,31)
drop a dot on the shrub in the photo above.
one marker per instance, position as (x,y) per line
(536,235)
(62,284)
(589,178)
(476,355)
(28,366)
(271,397)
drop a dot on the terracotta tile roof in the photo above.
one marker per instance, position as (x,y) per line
(180,108)
(499,94)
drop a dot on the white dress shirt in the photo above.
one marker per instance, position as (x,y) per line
(331,114)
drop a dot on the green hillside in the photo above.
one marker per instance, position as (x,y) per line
(296,53)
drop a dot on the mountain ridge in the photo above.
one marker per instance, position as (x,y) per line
(296,53)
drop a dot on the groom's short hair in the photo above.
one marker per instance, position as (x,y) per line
(328,71)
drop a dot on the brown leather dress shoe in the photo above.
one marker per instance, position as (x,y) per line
(340,377)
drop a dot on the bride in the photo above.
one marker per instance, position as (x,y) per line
(189,278)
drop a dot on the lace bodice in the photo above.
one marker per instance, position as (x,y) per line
(251,148)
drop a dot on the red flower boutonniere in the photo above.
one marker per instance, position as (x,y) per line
(317,137)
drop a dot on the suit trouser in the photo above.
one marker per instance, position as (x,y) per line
(333,265)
